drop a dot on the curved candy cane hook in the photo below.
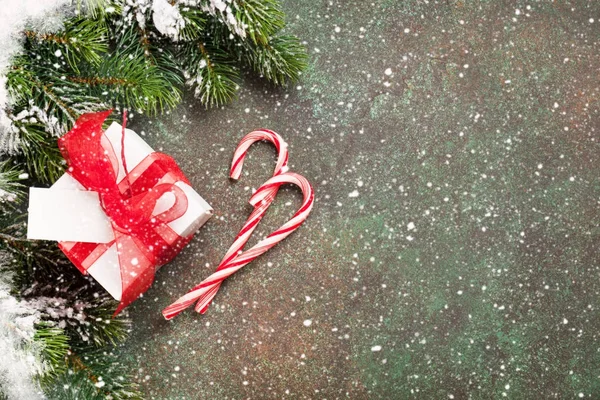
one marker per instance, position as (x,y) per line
(204,292)
(249,140)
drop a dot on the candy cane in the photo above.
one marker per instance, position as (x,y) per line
(206,290)
(235,172)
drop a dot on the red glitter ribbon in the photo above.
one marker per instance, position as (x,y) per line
(143,241)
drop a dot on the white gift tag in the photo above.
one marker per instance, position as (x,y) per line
(67,215)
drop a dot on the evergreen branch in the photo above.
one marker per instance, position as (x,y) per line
(94,375)
(38,152)
(20,80)
(53,104)
(55,346)
(71,301)
(51,37)
(11,190)
(256,20)
(203,53)
(99,80)
(129,31)
(145,43)
(95,9)
(137,40)
(96,325)
(57,100)
(36,85)
(12,239)
(35,261)
(53,95)
(281,61)
(212,74)
(82,39)
(195,22)
(19,248)
(260,18)
(72,385)
(127,79)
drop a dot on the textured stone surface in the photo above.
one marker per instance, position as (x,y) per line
(452,251)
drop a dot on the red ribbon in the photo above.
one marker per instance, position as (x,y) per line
(143,241)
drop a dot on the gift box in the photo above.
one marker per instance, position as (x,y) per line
(120,212)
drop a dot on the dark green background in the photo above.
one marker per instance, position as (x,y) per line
(484,136)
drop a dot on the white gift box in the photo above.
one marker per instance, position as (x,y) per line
(66,212)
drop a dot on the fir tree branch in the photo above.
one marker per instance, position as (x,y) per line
(281,60)
(20,80)
(11,239)
(195,23)
(11,190)
(250,20)
(212,74)
(81,40)
(145,43)
(34,261)
(100,80)
(128,80)
(260,18)
(38,152)
(48,89)
(55,346)
(94,375)
(51,37)
(96,326)
(72,301)
(56,99)
(95,9)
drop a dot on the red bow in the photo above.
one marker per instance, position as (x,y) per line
(143,240)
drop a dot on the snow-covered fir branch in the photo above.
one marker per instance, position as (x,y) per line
(21,360)
(10,139)
(225,10)
(44,16)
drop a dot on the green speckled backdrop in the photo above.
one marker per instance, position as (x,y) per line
(452,252)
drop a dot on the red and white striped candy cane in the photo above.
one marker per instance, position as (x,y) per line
(206,290)
(260,209)
(235,172)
